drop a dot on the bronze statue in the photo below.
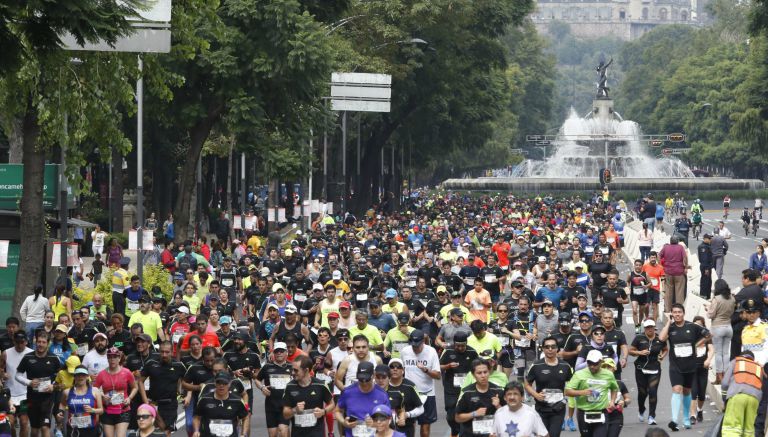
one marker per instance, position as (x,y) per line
(602,79)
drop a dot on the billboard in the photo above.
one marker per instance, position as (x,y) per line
(12,185)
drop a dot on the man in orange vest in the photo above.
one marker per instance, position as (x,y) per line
(743,380)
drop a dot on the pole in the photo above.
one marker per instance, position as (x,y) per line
(110,197)
(230,198)
(309,189)
(606,153)
(325,164)
(63,203)
(358,188)
(344,162)
(140,170)
(381,176)
(242,193)
(199,198)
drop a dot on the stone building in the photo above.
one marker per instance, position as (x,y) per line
(625,19)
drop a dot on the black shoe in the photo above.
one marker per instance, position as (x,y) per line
(700,416)
(673,426)
(693,420)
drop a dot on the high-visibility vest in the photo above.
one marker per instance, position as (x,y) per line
(746,371)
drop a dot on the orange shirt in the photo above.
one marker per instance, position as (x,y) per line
(501,251)
(477,304)
(654,274)
(613,238)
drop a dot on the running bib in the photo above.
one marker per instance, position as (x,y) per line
(279,382)
(701,351)
(523,342)
(458,379)
(655,282)
(80,421)
(611,240)
(116,398)
(221,428)
(683,350)
(133,306)
(615,312)
(362,431)
(176,337)
(504,339)
(305,420)
(146,384)
(43,386)
(552,395)
(410,282)
(482,425)
(605,250)
(399,345)
(362,297)
(246,383)
(469,281)
(649,372)
(82,349)
(299,298)
(638,291)
(227,282)
(491,278)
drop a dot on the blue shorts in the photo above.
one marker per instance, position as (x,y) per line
(430,412)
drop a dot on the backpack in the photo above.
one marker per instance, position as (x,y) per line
(188,261)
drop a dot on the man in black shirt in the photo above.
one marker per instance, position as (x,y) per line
(550,375)
(403,399)
(244,364)
(164,376)
(219,414)
(300,287)
(456,363)
(306,400)
(197,375)
(11,326)
(493,278)
(37,371)
(271,381)
(599,268)
(135,362)
(565,325)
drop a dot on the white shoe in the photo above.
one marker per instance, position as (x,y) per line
(641,417)
(651,420)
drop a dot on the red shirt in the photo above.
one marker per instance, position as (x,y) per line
(209,339)
(501,251)
(169,262)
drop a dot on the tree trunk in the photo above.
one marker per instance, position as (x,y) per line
(32,254)
(15,134)
(187,179)
(117,191)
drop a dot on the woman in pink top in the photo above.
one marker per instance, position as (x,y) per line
(674,259)
(118,388)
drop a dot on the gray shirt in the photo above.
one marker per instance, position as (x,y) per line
(448,330)
(719,245)
(546,326)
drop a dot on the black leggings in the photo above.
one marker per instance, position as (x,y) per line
(553,422)
(699,387)
(647,386)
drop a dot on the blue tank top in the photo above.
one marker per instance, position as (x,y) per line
(76,403)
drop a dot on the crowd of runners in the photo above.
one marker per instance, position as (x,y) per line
(511,307)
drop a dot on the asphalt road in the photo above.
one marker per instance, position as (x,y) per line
(741,248)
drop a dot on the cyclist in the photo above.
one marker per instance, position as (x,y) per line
(696,222)
(759,206)
(697,206)
(726,205)
(746,217)
(755,222)
(669,204)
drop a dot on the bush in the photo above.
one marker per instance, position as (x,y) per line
(121,237)
(153,275)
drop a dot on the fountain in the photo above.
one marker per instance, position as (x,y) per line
(601,139)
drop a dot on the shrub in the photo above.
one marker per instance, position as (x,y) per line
(153,275)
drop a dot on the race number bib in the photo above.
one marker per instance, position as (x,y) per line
(246,383)
(300,298)
(82,349)
(552,396)
(504,339)
(490,278)
(362,297)
(523,342)
(305,420)
(116,398)
(649,372)
(604,250)
(279,382)
(482,425)
(227,282)
(410,282)
(611,240)
(133,306)
(615,312)
(655,282)
(399,345)
(638,291)
(683,350)
(362,430)
(458,379)
(80,421)
(44,386)
(701,351)
(146,384)
(221,428)
(176,337)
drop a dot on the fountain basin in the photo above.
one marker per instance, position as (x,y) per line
(542,185)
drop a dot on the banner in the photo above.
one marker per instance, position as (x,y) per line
(133,241)
(250,222)
(72,257)
(4,245)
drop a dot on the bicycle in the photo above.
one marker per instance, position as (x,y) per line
(696,230)
(725,213)
(745,225)
(755,227)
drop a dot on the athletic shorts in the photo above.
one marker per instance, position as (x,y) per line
(430,412)
(275,417)
(114,419)
(169,415)
(21,408)
(39,410)
(653,296)
(642,299)
(679,378)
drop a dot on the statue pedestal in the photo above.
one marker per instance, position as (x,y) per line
(602,109)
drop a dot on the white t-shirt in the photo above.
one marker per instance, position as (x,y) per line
(523,422)
(95,362)
(425,385)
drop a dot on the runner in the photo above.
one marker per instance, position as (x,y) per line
(549,376)
(36,371)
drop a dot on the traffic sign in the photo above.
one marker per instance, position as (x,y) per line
(543,143)
(676,138)
(516,151)
(656,143)
(666,152)
(680,151)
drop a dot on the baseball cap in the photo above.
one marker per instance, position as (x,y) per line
(387,268)
(460,337)
(564,318)
(81,371)
(226,320)
(277,287)
(63,328)
(336,275)
(72,362)
(381,369)
(178,275)
(598,328)
(441,289)
(748,305)
(124,261)
(223,377)
(649,322)
(403,318)
(542,259)
(457,312)
(382,410)
(264,271)
(374,303)
(291,309)
(279,345)
(113,351)
(391,293)
(594,356)
(416,337)
(317,287)
(21,335)
(517,284)
(144,337)
(364,371)
(183,309)
(273,305)
(144,299)
(608,362)
(333,315)
(547,302)
(345,304)
(456,293)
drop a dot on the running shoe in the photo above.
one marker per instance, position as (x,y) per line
(673,426)
(651,420)
(571,424)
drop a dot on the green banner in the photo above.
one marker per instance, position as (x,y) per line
(12,185)
(8,281)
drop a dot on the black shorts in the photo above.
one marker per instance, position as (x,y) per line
(653,296)
(84,432)
(430,412)
(39,410)
(114,419)
(642,299)
(168,414)
(679,378)
(275,417)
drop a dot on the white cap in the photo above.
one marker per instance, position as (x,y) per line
(648,323)
(183,309)
(283,346)
(336,275)
(317,286)
(594,356)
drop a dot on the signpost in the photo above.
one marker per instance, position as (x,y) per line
(152,34)
(357,92)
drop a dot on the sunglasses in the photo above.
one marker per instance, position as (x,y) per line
(364,380)
(144,416)
(502,311)
(601,334)
(395,366)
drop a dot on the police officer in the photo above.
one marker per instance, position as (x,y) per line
(549,375)
(218,414)
(306,400)
(706,263)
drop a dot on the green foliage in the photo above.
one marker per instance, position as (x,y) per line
(153,275)
(157,275)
